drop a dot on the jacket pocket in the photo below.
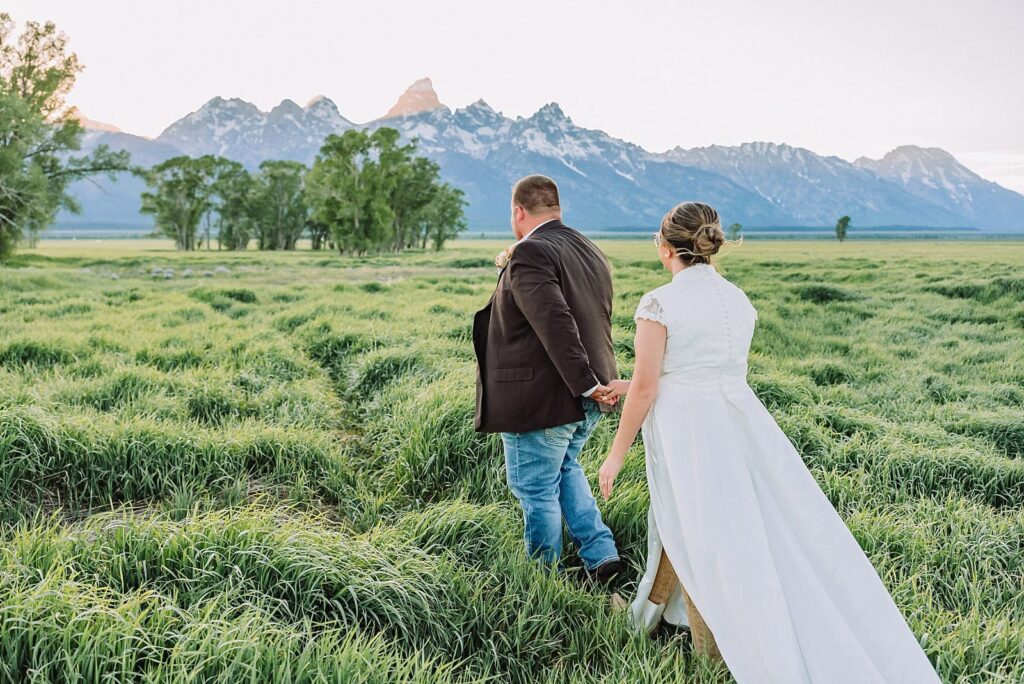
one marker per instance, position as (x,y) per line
(512,374)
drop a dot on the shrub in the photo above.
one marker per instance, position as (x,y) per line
(1004,430)
(111,393)
(30,353)
(826,372)
(821,294)
(471,263)
(380,368)
(779,391)
(426,442)
(216,297)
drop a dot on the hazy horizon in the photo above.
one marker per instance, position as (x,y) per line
(852,81)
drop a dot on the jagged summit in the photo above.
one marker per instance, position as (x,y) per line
(910,158)
(935,175)
(287,108)
(419,97)
(552,111)
(91,124)
(810,187)
(320,101)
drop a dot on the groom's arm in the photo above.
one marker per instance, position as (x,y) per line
(533,277)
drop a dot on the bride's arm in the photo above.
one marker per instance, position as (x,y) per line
(649,345)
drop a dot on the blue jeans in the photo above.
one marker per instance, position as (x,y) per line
(545,476)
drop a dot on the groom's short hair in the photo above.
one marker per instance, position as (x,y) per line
(535,193)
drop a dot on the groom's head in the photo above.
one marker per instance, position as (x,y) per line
(534,201)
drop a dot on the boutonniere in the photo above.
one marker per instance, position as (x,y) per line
(501,261)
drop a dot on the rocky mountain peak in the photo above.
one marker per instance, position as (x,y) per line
(319,101)
(91,124)
(552,111)
(481,105)
(911,159)
(419,97)
(286,109)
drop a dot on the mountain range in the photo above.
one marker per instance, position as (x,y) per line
(605,182)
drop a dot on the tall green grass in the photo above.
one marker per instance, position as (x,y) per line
(271,474)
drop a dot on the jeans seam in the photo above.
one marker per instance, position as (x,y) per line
(526,517)
(606,559)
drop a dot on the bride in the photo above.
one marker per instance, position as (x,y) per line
(743,546)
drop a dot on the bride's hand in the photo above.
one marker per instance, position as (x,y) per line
(609,471)
(618,388)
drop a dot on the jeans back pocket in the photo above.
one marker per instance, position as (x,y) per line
(560,435)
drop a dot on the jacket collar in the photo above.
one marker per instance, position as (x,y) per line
(547,225)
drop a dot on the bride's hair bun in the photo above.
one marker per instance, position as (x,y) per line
(694,230)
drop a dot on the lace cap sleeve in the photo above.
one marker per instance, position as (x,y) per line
(650,309)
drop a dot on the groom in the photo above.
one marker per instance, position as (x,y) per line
(544,353)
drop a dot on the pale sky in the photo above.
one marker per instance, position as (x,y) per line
(849,78)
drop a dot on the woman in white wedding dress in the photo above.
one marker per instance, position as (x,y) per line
(768,564)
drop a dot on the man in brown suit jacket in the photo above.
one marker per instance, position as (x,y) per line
(544,357)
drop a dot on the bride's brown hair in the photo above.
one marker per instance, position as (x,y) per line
(694,231)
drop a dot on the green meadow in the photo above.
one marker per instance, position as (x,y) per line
(267,471)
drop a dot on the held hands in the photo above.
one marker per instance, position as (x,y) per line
(604,395)
(609,394)
(618,388)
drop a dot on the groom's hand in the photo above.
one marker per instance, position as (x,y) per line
(604,395)
(618,388)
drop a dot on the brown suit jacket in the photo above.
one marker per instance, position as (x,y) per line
(545,337)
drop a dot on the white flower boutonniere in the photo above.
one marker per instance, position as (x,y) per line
(501,261)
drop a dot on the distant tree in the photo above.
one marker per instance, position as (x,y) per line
(734,231)
(319,233)
(413,184)
(39,133)
(231,192)
(367,192)
(340,189)
(444,218)
(841,226)
(279,210)
(178,198)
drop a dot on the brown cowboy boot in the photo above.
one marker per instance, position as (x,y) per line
(665,582)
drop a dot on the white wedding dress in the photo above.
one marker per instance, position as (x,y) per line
(779,579)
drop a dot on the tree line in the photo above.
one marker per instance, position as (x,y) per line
(365,192)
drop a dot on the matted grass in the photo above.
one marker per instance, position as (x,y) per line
(266,471)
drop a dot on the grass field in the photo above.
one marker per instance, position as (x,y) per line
(270,473)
